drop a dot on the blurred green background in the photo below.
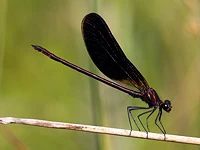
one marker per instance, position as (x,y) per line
(161,38)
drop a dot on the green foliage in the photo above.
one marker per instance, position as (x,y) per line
(160,37)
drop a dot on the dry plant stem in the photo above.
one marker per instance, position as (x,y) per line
(103,130)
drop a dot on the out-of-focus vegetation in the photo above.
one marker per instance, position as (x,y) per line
(162,39)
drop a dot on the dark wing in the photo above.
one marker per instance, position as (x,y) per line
(107,54)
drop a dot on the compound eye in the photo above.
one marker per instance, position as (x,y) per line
(167,106)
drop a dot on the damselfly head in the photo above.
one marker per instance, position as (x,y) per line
(166,105)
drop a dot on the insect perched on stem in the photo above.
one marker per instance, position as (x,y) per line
(109,58)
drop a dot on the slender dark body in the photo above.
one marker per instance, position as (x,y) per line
(112,62)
